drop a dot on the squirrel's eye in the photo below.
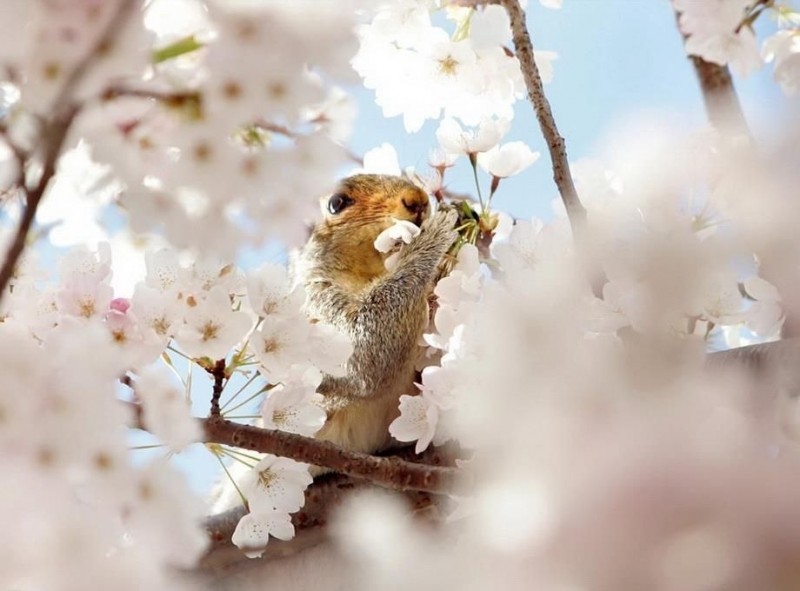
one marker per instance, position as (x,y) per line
(338,202)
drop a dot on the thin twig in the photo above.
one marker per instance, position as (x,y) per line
(555,143)
(53,135)
(386,472)
(18,188)
(100,47)
(219,385)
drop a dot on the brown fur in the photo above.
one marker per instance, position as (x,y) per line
(383,312)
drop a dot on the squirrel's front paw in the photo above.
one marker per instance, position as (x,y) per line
(440,227)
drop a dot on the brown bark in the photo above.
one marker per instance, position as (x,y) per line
(390,473)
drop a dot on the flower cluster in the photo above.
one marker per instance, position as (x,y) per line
(221,130)
(286,343)
(539,373)
(273,489)
(291,352)
(420,71)
(721,31)
(633,224)
(165,111)
(200,311)
(79,512)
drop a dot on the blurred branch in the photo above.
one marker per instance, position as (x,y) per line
(725,113)
(104,41)
(719,95)
(53,134)
(768,358)
(776,364)
(20,159)
(170,98)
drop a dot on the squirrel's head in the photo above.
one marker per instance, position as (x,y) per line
(362,207)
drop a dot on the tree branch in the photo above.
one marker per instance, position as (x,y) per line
(722,104)
(725,113)
(556,146)
(322,498)
(555,143)
(386,472)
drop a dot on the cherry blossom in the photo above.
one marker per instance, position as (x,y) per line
(166,409)
(211,327)
(417,421)
(544,62)
(473,80)
(456,140)
(528,366)
(65,31)
(294,405)
(783,48)
(278,344)
(335,115)
(490,27)
(254,529)
(382,160)
(714,33)
(158,312)
(276,484)
(74,202)
(457,294)
(275,87)
(331,348)
(506,160)
(85,289)
(165,515)
(392,239)
(765,315)
(270,291)
(401,232)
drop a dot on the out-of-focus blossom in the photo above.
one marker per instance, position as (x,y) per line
(783,49)
(714,33)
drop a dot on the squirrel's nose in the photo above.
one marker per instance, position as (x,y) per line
(417,208)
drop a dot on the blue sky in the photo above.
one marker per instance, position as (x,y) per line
(617,59)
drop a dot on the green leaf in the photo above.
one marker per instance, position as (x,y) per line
(176,49)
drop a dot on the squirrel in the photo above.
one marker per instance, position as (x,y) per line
(384,312)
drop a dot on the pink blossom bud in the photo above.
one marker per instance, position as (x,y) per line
(120,305)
